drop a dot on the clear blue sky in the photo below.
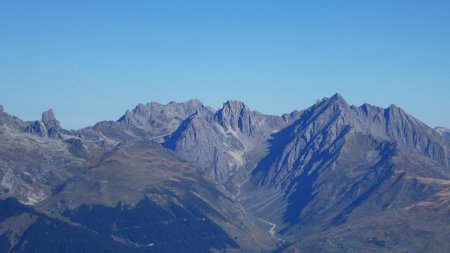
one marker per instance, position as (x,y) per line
(92,60)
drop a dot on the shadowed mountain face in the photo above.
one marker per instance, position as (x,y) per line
(184,177)
(220,143)
(338,166)
(25,230)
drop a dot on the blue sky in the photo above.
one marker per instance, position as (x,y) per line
(92,60)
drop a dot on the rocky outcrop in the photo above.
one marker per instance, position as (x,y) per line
(154,119)
(47,126)
(201,141)
(236,116)
(77,147)
(49,120)
(37,127)
(444,132)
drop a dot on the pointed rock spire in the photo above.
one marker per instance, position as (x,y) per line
(235,115)
(338,99)
(337,96)
(48,118)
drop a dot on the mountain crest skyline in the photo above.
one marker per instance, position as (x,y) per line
(231,103)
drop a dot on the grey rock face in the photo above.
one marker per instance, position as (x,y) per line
(77,147)
(236,116)
(395,124)
(37,127)
(48,126)
(154,119)
(31,166)
(151,121)
(444,132)
(49,119)
(327,123)
(205,143)
(53,132)
(219,143)
(336,160)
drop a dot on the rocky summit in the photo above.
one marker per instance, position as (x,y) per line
(184,177)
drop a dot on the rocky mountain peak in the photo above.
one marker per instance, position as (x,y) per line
(326,112)
(155,119)
(140,108)
(234,106)
(329,108)
(48,115)
(1,108)
(49,119)
(192,103)
(234,115)
(337,97)
(186,108)
(395,109)
(370,110)
(337,101)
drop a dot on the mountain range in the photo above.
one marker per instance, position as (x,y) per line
(185,177)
